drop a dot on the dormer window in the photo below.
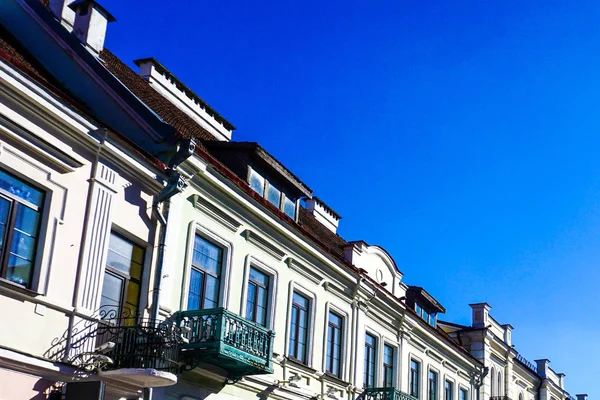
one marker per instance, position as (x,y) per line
(429,317)
(270,192)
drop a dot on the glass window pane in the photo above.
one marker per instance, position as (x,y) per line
(207,256)
(20,189)
(289,207)
(196,281)
(259,277)
(274,195)
(19,270)
(300,300)
(27,220)
(211,296)
(257,182)
(23,245)
(125,256)
(112,290)
(250,301)
(133,294)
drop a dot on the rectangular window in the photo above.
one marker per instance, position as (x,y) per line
(432,319)
(274,195)
(334,344)
(257,301)
(122,279)
(418,309)
(20,215)
(449,390)
(388,365)
(298,346)
(370,360)
(289,207)
(257,182)
(205,275)
(464,394)
(433,383)
(415,373)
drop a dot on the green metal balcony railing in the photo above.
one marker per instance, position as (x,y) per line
(385,393)
(221,338)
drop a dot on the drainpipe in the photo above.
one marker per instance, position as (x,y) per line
(175,185)
(479,384)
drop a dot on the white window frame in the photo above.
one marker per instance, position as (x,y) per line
(330,307)
(312,297)
(253,262)
(430,367)
(466,389)
(226,246)
(454,386)
(415,357)
(394,345)
(378,354)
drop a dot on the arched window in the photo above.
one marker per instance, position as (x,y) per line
(520,396)
(500,385)
(493,382)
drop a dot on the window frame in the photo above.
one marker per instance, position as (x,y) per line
(15,204)
(414,385)
(202,270)
(389,367)
(308,309)
(462,389)
(265,193)
(253,262)
(437,384)
(198,229)
(368,362)
(329,359)
(126,278)
(448,394)
(303,291)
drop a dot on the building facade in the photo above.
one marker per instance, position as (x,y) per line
(161,259)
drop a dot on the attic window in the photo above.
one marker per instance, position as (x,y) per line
(429,317)
(275,196)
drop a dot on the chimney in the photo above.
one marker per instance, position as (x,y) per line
(480,312)
(61,10)
(323,213)
(543,366)
(561,380)
(581,396)
(507,333)
(91,20)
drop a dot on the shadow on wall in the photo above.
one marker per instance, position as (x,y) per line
(41,387)
(133,195)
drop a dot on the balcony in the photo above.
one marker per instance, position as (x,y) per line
(385,393)
(225,340)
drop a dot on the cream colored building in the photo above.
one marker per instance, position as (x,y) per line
(249,275)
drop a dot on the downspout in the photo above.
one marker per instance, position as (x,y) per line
(479,384)
(175,185)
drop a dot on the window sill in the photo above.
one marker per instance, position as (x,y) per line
(18,288)
(336,379)
(297,363)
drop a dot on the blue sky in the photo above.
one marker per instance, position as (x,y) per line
(461,136)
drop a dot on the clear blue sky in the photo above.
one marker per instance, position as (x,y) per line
(462,136)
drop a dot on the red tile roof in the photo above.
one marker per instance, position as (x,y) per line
(170,113)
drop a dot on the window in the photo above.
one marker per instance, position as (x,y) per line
(370,351)
(20,215)
(257,182)
(432,318)
(334,344)
(272,193)
(464,395)
(257,301)
(122,279)
(433,384)
(449,390)
(298,348)
(205,275)
(428,317)
(499,384)
(388,366)
(415,373)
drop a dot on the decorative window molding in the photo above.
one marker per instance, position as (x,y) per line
(253,262)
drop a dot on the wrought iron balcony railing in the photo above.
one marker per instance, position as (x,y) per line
(385,393)
(140,344)
(219,337)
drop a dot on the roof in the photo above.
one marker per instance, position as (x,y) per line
(189,92)
(166,110)
(253,151)
(13,52)
(419,291)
